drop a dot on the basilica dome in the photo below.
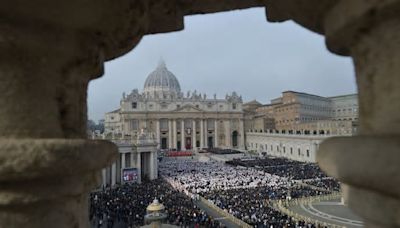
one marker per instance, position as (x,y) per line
(161,80)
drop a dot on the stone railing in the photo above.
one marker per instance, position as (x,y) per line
(232,218)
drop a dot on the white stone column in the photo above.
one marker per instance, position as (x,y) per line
(132,160)
(202,133)
(170,137)
(242,134)
(174,134)
(104,177)
(158,133)
(139,167)
(183,147)
(194,134)
(113,173)
(123,163)
(216,133)
(228,133)
(151,163)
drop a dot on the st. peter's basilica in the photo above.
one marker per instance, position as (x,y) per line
(178,120)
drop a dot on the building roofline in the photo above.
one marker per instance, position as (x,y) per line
(345,95)
(303,93)
(115,111)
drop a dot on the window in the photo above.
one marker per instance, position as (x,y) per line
(308,153)
(178,106)
(298,150)
(233,106)
(291,150)
(134,105)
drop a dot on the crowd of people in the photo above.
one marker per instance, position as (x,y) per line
(223,151)
(253,205)
(244,188)
(125,206)
(196,176)
(282,167)
(329,184)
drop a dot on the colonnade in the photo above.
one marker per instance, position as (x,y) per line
(197,133)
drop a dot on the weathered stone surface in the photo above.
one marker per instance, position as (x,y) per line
(51,49)
(361,161)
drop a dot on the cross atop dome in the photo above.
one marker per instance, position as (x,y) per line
(161,63)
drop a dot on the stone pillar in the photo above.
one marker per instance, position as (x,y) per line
(113,173)
(123,162)
(170,136)
(174,135)
(183,147)
(228,133)
(368,164)
(158,133)
(139,167)
(194,134)
(104,177)
(132,160)
(202,133)
(242,134)
(47,166)
(216,138)
(151,163)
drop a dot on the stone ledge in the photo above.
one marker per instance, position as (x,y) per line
(28,159)
(378,208)
(369,162)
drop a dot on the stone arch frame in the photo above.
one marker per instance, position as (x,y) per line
(47,61)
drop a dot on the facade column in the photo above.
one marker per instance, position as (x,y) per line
(194,134)
(151,163)
(123,161)
(170,137)
(183,147)
(139,167)
(158,133)
(242,134)
(113,173)
(104,177)
(174,135)
(132,159)
(202,133)
(228,133)
(216,138)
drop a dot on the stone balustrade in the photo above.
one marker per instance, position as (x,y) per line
(52,49)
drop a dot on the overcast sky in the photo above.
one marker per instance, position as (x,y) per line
(224,52)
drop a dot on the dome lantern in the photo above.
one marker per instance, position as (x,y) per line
(161,80)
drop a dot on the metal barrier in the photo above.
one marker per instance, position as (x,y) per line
(283,206)
(224,213)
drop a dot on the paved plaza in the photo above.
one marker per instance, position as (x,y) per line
(332,212)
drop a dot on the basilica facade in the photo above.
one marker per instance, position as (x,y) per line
(178,120)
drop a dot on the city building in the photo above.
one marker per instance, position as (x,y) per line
(294,124)
(303,113)
(181,122)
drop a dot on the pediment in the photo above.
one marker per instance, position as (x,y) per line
(188,108)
